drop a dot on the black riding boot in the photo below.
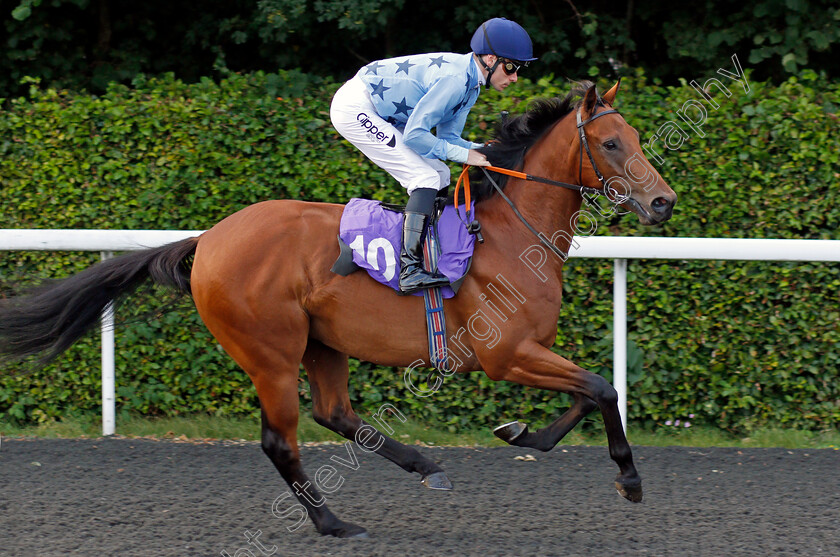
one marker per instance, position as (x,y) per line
(412,275)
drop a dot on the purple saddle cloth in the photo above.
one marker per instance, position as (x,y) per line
(372,234)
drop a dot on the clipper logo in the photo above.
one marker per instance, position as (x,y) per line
(375,132)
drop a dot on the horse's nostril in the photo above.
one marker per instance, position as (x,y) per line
(661,205)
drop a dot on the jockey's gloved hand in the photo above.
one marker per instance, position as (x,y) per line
(475,158)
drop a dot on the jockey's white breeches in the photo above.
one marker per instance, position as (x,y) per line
(354,116)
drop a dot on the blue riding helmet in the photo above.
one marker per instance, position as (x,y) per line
(503,38)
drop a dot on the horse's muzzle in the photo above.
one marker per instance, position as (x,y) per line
(659,211)
(663,208)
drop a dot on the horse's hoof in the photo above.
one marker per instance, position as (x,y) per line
(348,531)
(510,432)
(630,490)
(438,480)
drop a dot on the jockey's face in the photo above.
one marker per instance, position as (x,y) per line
(500,79)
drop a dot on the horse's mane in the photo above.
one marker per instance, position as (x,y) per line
(516,134)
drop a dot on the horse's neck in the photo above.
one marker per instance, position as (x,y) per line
(549,209)
(552,210)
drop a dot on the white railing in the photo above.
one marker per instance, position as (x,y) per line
(620,249)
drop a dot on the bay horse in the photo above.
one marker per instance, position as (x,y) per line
(261,282)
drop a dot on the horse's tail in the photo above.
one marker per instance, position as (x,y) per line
(51,317)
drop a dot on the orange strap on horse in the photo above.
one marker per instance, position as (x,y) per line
(473,227)
(528,177)
(514,173)
(465,178)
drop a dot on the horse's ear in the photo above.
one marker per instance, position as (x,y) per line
(609,96)
(590,100)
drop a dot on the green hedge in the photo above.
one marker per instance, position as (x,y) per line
(734,344)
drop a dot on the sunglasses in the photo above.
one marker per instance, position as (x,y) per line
(511,67)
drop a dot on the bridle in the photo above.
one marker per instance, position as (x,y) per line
(475,228)
(584,146)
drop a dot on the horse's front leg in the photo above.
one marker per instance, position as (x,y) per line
(545,439)
(536,366)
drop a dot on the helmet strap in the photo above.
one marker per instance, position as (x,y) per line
(489,69)
(493,50)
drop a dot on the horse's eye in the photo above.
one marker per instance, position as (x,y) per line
(610,145)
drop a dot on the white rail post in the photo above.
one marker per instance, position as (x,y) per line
(108,372)
(620,337)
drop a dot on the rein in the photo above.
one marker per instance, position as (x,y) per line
(473,227)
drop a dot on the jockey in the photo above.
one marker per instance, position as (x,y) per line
(390,107)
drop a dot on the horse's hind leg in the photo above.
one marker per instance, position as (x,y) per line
(279,399)
(328,375)
(274,368)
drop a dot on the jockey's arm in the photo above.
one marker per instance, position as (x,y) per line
(441,107)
